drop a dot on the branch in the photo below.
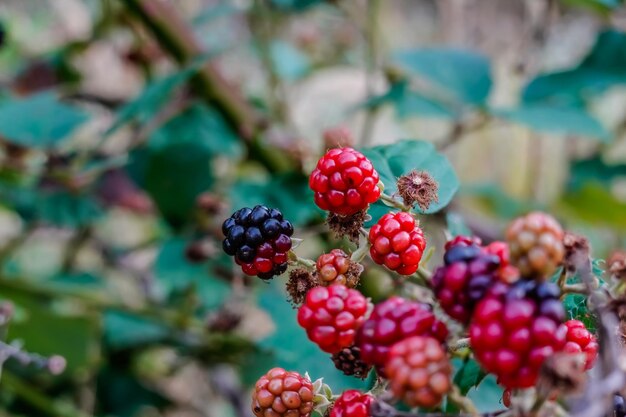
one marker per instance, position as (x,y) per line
(172,32)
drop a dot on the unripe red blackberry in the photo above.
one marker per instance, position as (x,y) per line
(581,340)
(279,393)
(394,320)
(332,315)
(397,242)
(352,403)
(515,328)
(332,267)
(259,239)
(419,371)
(463,280)
(344,182)
(506,271)
(536,244)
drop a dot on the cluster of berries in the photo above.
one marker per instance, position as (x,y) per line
(499,293)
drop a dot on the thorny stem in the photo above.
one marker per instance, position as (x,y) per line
(460,344)
(307,263)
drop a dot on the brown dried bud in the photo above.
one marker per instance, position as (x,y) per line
(418,187)
(338,137)
(299,284)
(210,203)
(562,373)
(573,245)
(224,320)
(347,226)
(199,251)
(616,264)
(348,361)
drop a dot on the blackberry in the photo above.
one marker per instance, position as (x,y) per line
(464,279)
(515,328)
(259,239)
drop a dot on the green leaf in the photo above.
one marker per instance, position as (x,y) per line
(174,175)
(294,5)
(464,74)
(498,201)
(601,6)
(594,169)
(290,64)
(176,274)
(199,124)
(125,396)
(409,103)
(151,99)
(604,66)
(456,225)
(124,330)
(293,188)
(468,375)
(65,209)
(46,331)
(399,158)
(487,396)
(595,205)
(559,120)
(38,121)
(290,348)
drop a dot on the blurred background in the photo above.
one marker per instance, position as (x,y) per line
(129,129)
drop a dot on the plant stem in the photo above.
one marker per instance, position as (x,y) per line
(390,201)
(372,34)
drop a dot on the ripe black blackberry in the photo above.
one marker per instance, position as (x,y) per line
(259,239)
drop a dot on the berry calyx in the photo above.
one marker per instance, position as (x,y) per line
(465,277)
(581,340)
(419,371)
(536,244)
(515,328)
(397,242)
(280,393)
(394,320)
(331,316)
(335,268)
(352,403)
(344,182)
(259,239)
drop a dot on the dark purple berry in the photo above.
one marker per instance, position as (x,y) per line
(253,236)
(271,228)
(245,254)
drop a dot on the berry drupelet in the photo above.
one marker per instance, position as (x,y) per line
(332,315)
(581,340)
(344,181)
(279,393)
(332,268)
(394,320)
(515,328)
(463,280)
(419,371)
(352,403)
(259,239)
(397,242)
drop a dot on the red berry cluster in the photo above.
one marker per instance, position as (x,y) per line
(397,242)
(392,321)
(419,371)
(332,315)
(332,267)
(279,393)
(352,403)
(344,182)
(515,328)
(581,340)
(465,277)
